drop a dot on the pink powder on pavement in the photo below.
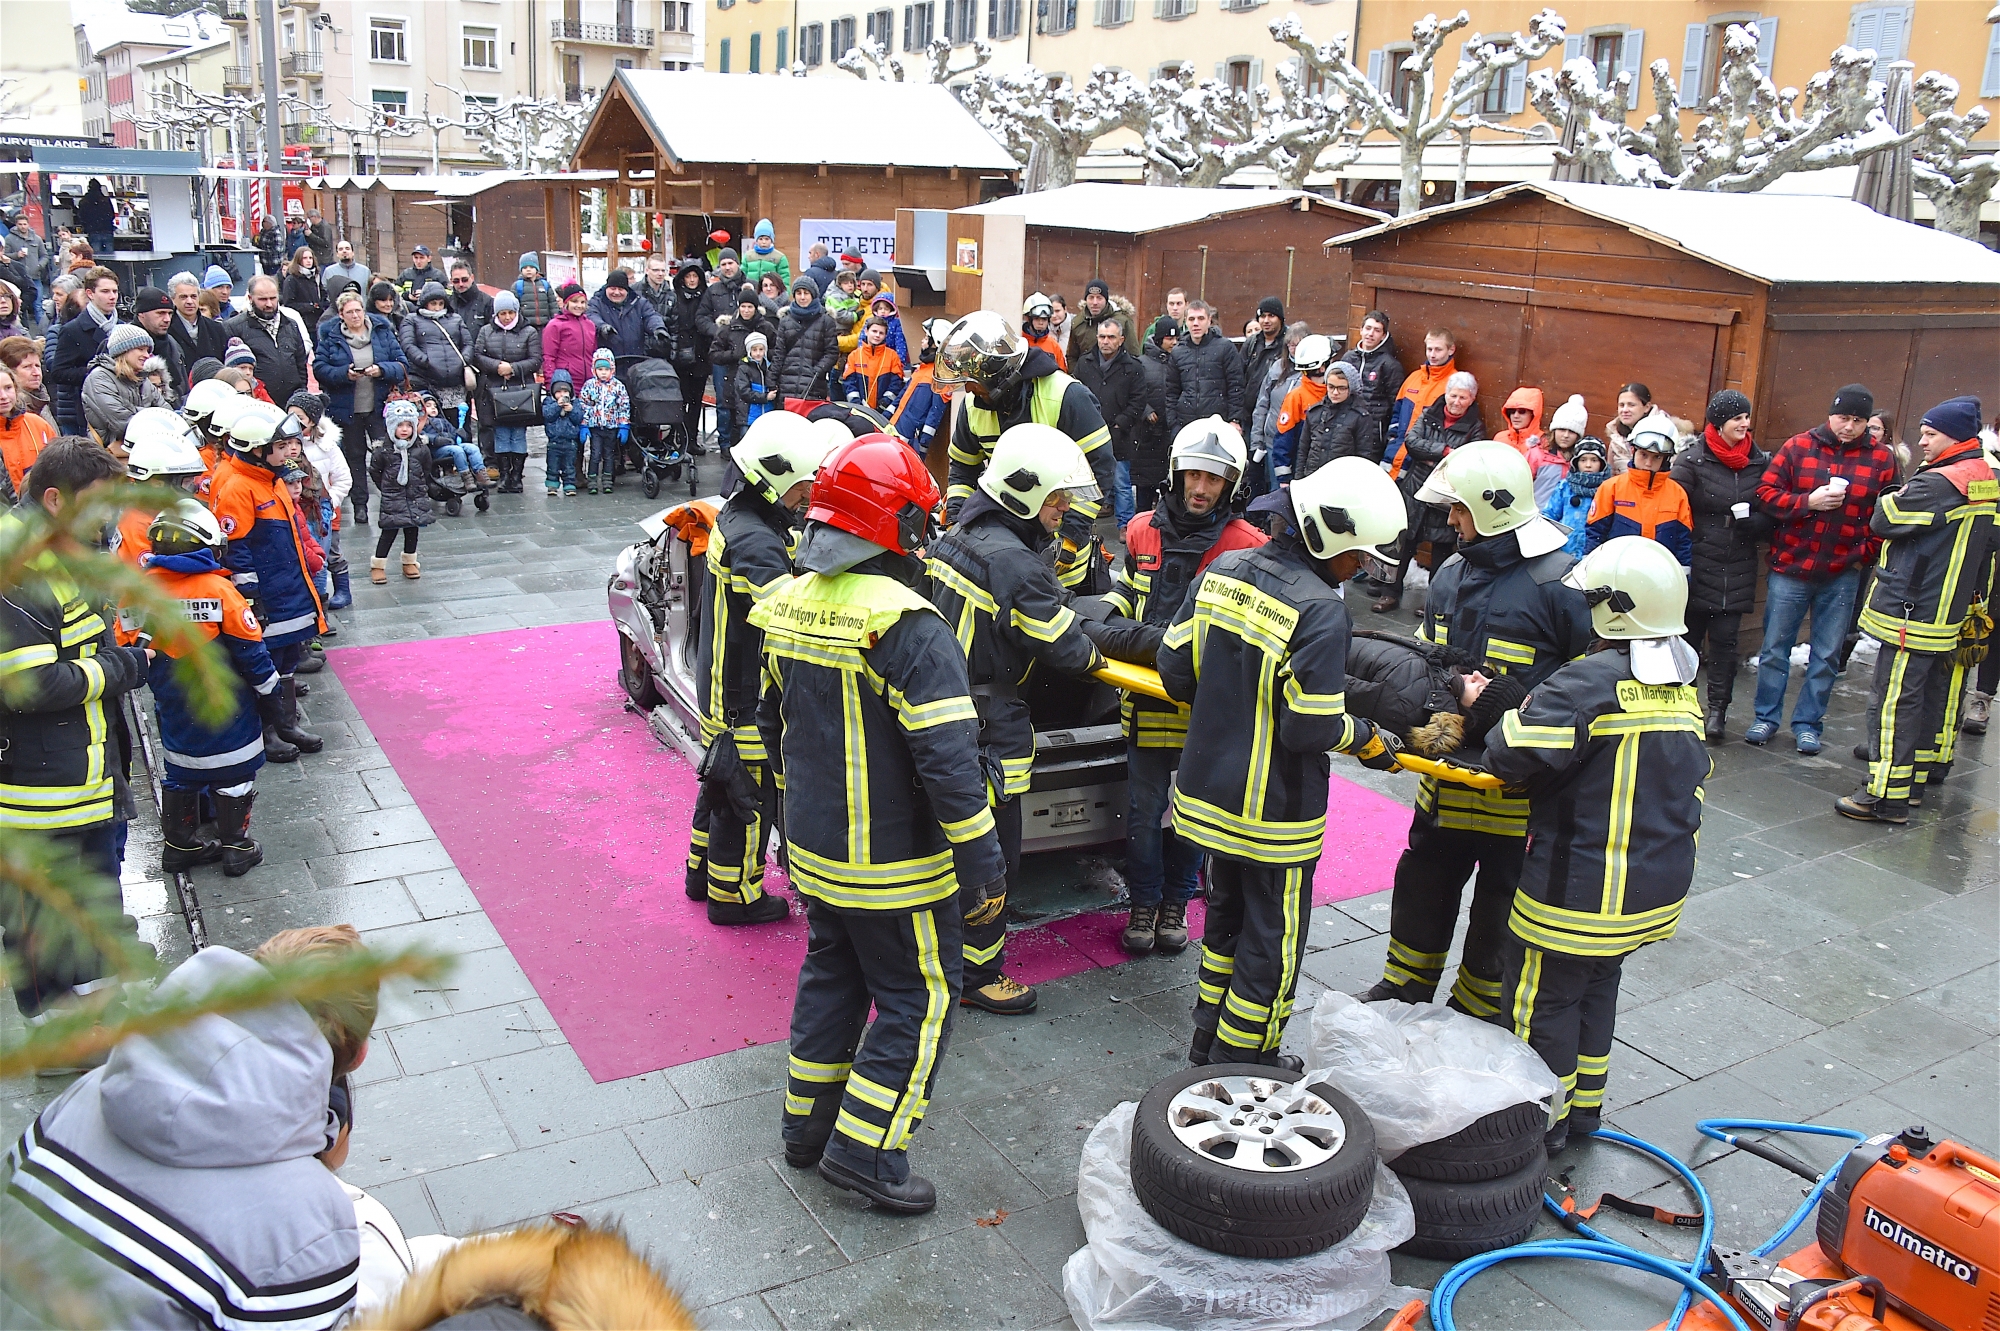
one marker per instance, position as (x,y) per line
(570,823)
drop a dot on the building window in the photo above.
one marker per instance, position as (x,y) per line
(756,53)
(1989,80)
(1003,20)
(622,62)
(1236,75)
(1504,95)
(918,24)
(882,28)
(961,21)
(812,45)
(1172,9)
(842,35)
(1113,13)
(393,103)
(1605,49)
(783,62)
(481,47)
(1060,15)
(1883,29)
(722,56)
(386,41)
(1385,71)
(677,16)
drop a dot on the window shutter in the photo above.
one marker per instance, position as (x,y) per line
(1256,69)
(1222,71)
(1572,49)
(1517,89)
(1989,82)
(1895,32)
(909,21)
(1375,68)
(1694,52)
(1632,57)
(1767,44)
(1864,28)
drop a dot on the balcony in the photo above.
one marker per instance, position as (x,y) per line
(297,132)
(238,76)
(234,11)
(577,95)
(302,64)
(599,34)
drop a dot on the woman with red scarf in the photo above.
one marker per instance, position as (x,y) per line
(1720,474)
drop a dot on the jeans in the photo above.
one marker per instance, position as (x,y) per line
(510,439)
(463,457)
(1787,601)
(604,441)
(1121,499)
(1158,864)
(725,414)
(561,465)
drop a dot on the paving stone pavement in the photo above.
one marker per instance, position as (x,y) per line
(1825,970)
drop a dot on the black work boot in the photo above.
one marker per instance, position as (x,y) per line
(232,818)
(768,908)
(1712,728)
(180,818)
(288,719)
(276,750)
(1869,808)
(1556,1138)
(1273,1059)
(913,1195)
(1383,992)
(1172,934)
(1198,1047)
(806,1142)
(696,884)
(1141,929)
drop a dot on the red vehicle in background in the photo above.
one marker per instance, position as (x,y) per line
(298,161)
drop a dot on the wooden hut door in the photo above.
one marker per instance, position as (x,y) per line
(1582,351)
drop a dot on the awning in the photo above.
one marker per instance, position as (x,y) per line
(117,162)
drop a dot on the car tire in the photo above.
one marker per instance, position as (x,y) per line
(635,676)
(1493,1146)
(1458,1219)
(1309,1189)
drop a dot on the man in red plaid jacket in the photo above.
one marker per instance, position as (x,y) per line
(1821,487)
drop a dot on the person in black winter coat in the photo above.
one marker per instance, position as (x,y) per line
(1720,472)
(808,345)
(682,314)
(1154,441)
(1261,350)
(274,338)
(1204,373)
(1378,374)
(747,316)
(436,346)
(1118,380)
(1335,425)
(77,345)
(718,310)
(301,292)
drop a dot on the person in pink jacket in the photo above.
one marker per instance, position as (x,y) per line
(570,338)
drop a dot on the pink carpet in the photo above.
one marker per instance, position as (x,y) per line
(569,821)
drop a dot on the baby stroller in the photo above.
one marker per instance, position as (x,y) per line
(659,422)
(449,486)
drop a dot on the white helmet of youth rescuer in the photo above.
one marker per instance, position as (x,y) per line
(1638,595)
(983,348)
(161,446)
(1211,444)
(1030,462)
(1348,504)
(1493,482)
(780,449)
(1315,352)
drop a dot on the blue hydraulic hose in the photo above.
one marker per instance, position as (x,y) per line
(1594,1246)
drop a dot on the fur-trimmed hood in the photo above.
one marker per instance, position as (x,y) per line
(569,1279)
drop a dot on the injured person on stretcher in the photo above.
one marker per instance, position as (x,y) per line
(1435,701)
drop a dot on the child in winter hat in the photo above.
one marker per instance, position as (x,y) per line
(1574,495)
(1549,457)
(217,278)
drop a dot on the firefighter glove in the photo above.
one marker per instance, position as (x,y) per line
(1379,753)
(981,903)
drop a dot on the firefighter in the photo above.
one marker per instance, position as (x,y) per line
(185,545)
(1009,383)
(1937,559)
(868,710)
(267,558)
(1265,635)
(1501,605)
(1610,749)
(992,583)
(749,556)
(1166,552)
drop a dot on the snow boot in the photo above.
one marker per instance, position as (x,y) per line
(312,661)
(343,591)
(232,818)
(1977,713)
(411,568)
(180,816)
(288,723)
(378,569)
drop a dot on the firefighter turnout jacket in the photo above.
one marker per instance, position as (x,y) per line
(61,673)
(199,755)
(749,557)
(1504,614)
(1938,551)
(1614,771)
(868,713)
(1265,639)
(1047,396)
(1166,552)
(989,581)
(267,556)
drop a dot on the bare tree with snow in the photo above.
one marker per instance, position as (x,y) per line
(1955,183)
(872,58)
(536,134)
(1310,131)
(1199,133)
(1417,123)
(1049,125)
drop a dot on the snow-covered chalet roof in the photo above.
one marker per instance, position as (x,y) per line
(1137,209)
(1775,238)
(702,117)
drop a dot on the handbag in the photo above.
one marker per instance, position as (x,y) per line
(516,404)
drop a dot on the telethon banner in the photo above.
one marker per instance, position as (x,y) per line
(874,241)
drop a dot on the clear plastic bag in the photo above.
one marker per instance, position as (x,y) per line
(1420,1071)
(1134,1276)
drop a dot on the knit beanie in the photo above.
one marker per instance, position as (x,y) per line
(806,284)
(1098,285)
(217,277)
(204,369)
(1271,305)
(506,303)
(1727,405)
(238,353)
(618,277)
(756,340)
(149,300)
(1955,418)
(568,289)
(1853,400)
(1571,416)
(127,337)
(603,357)
(869,275)
(530,260)
(728,252)
(1590,447)
(764,230)
(1502,694)
(312,404)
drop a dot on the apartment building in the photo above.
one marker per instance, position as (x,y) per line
(111,49)
(176,78)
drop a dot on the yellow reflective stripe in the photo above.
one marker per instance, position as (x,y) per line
(1587,933)
(1017,774)
(93,674)
(1518,734)
(1228,1032)
(1211,993)
(967,829)
(922,716)
(1466,809)
(806,1070)
(798,1105)
(1180,635)
(1662,721)
(47,808)
(1910,634)
(854,740)
(1044,630)
(1216,962)
(870,1092)
(813,653)
(1248,612)
(873,886)
(968,590)
(1479,997)
(1242,1007)
(979,956)
(1905,517)
(27,658)
(930,1032)
(1313,704)
(1525,991)
(1513,653)
(1095,440)
(861,1130)
(1226,833)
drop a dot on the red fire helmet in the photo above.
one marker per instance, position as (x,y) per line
(877,488)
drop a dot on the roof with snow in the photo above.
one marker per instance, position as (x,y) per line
(1137,209)
(106,27)
(702,117)
(1775,238)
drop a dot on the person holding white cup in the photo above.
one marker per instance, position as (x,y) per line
(1720,471)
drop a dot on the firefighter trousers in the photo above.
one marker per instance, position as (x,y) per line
(1423,913)
(1565,1007)
(697,861)
(863,1103)
(986,944)
(1905,713)
(1934,761)
(1253,947)
(735,850)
